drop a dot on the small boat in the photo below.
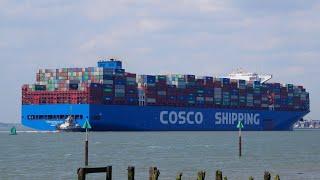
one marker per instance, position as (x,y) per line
(70,125)
(13,131)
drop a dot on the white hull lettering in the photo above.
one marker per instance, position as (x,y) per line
(181,117)
(222,118)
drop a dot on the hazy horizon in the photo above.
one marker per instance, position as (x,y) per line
(194,37)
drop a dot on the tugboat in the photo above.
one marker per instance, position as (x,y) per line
(70,125)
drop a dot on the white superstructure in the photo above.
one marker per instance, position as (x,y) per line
(248,76)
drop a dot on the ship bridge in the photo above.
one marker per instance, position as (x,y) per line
(249,76)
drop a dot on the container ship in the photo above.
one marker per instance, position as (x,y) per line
(112,99)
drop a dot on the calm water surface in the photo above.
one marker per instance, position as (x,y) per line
(294,155)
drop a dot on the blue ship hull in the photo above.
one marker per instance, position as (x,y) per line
(157,118)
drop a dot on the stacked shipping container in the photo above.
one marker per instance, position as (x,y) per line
(90,95)
(188,91)
(110,84)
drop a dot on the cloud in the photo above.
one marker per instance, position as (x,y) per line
(203,6)
(152,25)
(296,70)
(267,7)
(100,10)
(199,37)
(36,10)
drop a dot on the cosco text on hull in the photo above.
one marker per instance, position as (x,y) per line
(181,117)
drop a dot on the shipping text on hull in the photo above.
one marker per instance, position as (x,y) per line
(177,101)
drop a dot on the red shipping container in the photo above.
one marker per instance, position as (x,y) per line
(127,74)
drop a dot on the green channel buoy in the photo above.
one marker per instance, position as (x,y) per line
(13,131)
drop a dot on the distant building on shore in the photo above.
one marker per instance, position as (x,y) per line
(312,124)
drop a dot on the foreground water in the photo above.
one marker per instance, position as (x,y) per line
(294,155)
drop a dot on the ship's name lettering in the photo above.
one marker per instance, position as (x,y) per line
(233,118)
(181,117)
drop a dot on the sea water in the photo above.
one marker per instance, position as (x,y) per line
(31,155)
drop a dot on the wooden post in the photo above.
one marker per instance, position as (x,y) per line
(151,170)
(81,174)
(218,175)
(153,173)
(277,177)
(251,178)
(179,176)
(240,145)
(267,175)
(130,173)
(201,175)
(109,173)
(86,153)
(156,174)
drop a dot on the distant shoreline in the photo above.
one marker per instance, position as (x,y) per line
(307,129)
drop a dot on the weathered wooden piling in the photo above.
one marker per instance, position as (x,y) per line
(218,175)
(277,177)
(109,173)
(201,175)
(82,172)
(267,175)
(130,173)
(154,173)
(179,176)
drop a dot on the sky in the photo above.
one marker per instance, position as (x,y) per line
(200,37)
